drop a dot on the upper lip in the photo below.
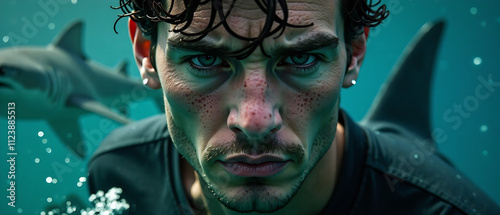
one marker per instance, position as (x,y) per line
(251,159)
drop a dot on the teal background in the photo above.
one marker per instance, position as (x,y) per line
(473,146)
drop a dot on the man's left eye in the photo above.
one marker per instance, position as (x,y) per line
(300,59)
(206,61)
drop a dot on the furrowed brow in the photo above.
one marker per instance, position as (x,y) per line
(310,43)
(205,45)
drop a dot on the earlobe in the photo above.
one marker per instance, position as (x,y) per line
(141,47)
(358,54)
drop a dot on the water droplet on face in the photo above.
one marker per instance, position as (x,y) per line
(48,180)
(40,133)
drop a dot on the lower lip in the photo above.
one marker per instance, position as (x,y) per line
(254,170)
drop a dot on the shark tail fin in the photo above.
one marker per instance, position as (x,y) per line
(70,39)
(121,68)
(404,99)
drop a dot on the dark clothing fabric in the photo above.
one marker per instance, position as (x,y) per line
(385,170)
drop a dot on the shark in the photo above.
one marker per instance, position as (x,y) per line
(59,83)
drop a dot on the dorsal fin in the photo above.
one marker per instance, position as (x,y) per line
(404,98)
(70,38)
(121,68)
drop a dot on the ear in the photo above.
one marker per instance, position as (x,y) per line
(141,47)
(358,54)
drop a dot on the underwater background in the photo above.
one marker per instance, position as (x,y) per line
(48,175)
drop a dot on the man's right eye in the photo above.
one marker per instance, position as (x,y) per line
(206,60)
(206,65)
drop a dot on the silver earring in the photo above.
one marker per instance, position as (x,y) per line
(145,81)
(353,82)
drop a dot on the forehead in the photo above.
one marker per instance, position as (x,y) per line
(247,20)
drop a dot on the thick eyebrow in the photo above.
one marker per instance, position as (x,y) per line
(204,45)
(311,42)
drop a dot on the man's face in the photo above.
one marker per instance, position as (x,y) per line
(254,128)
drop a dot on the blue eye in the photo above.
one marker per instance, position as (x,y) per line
(300,59)
(299,64)
(206,60)
(206,65)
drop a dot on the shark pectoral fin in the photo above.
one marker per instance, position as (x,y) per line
(68,130)
(93,106)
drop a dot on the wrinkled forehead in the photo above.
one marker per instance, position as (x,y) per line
(247,19)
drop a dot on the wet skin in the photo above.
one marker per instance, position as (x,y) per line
(261,133)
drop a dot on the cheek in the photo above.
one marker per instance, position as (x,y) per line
(198,114)
(310,110)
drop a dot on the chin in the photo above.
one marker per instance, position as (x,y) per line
(256,197)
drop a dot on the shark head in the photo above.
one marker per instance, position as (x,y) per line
(24,81)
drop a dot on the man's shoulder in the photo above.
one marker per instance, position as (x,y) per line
(149,130)
(407,165)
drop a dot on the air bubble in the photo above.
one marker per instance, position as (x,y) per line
(473,10)
(48,179)
(6,39)
(37,160)
(40,133)
(477,61)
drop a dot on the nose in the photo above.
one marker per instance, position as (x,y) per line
(255,115)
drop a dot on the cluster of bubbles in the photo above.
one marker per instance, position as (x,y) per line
(108,203)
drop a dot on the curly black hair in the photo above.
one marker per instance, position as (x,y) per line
(147,13)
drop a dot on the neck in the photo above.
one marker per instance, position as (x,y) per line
(315,192)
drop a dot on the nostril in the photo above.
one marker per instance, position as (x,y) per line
(236,130)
